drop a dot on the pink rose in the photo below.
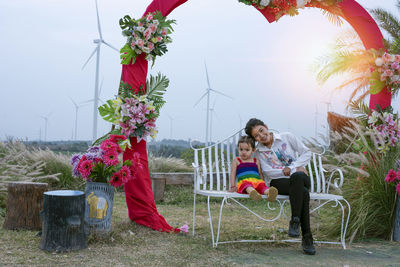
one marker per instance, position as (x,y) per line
(150,46)
(397,58)
(395,65)
(140,43)
(153,27)
(387,57)
(133,44)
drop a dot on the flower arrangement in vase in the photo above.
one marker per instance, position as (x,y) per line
(102,163)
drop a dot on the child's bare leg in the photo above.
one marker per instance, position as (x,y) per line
(253,193)
(271,192)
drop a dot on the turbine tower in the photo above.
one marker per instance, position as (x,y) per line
(207,93)
(76,117)
(98,43)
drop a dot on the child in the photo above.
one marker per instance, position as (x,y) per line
(246,175)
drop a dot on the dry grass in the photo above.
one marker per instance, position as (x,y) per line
(130,244)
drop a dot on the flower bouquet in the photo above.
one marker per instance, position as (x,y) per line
(280,8)
(148,35)
(385,126)
(385,72)
(102,163)
(134,115)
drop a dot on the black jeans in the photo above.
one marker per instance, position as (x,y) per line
(297,187)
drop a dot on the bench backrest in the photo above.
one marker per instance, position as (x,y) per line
(212,165)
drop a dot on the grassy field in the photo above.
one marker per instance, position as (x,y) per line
(130,244)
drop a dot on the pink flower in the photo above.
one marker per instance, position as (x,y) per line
(85,168)
(116,138)
(150,46)
(397,58)
(184,228)
(164,31)
(125,174)
(147,34)
(116,179)
(387,57)
(395,65)
(140,24)
(140,43)
(398,188)
(153,27)
(110,158)
(149,17)
(159,38)
(133,44)
(107,145)
(391,176)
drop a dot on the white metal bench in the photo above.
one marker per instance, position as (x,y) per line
(211,179)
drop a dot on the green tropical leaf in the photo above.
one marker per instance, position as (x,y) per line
(376,85)
(106,136)
(107,111)
(127,54)
(395,46)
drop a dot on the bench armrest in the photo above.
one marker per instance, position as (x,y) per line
(337,182)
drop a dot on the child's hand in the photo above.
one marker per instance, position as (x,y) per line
(232,189)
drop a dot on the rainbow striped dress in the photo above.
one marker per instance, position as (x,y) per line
(247,175)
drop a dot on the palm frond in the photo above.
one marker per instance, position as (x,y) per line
(359,109)
(156,86)
(395,46)
(387,21)
(333,15)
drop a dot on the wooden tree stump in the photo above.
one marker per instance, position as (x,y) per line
(24,202)
(63,221)
(158,187)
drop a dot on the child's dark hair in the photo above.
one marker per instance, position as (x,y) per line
(251,124)
(247,140)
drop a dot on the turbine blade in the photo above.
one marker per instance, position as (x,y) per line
(218,92)
(91,55)
(98,21)
(73,101)
(208,81)
(109,45)
(87,101)
(200,99)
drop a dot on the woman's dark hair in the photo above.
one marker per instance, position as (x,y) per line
(251,124)
(247,140)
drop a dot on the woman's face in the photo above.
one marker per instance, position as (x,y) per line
(261,134)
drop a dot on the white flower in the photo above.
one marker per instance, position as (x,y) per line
(379,61)
(264,2)
(302,3)
(395,78)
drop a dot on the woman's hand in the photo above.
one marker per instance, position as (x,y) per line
(301,169)
(286,171)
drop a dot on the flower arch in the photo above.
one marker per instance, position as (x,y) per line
(139,195)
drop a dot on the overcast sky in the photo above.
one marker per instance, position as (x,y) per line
(264,67)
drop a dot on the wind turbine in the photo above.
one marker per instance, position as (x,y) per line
(98,43)
(46,121)
(76,116)
(171,120)
(213,113)
(207,93)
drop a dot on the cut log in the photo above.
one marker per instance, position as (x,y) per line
(63,221)
(158,187)
(24,202)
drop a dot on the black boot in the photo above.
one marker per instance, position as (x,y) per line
(307,244)
(294,227)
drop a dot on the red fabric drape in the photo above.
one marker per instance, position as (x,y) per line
(138,193)
(369,33)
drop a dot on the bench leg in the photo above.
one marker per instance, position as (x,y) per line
(219,220)
(194,212)
(343,229)
(210,220)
